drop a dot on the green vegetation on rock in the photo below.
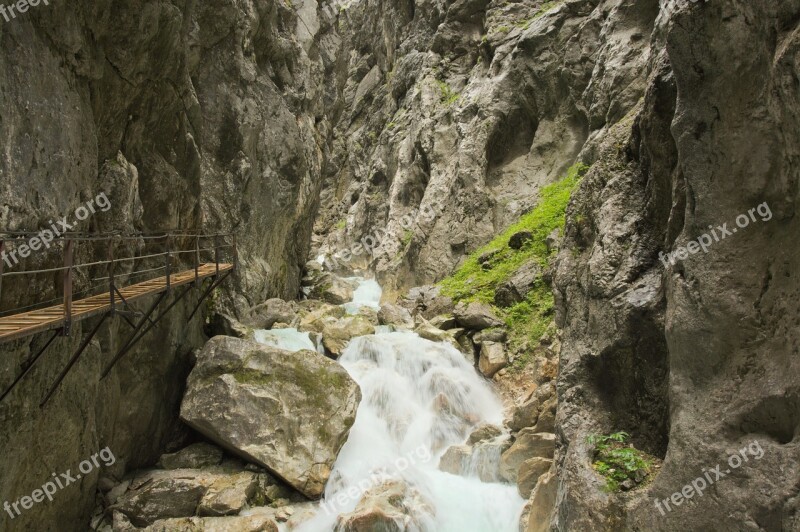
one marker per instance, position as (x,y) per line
(619,462)
(496,262)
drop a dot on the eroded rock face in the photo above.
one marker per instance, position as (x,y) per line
(289,412)
(694,357)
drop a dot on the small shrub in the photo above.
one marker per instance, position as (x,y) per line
(617,461)
(449,96)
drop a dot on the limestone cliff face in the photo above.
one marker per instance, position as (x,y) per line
(189,114)
(465,109)
(696,359)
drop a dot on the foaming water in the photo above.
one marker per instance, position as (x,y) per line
(419,398)
(286,339)
(367,294)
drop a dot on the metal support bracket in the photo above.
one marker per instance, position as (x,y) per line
(28,364)
(72,361)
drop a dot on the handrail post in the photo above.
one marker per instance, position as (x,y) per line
(168,257)
(197,260)
(111,268)
(216,252)
(69,251)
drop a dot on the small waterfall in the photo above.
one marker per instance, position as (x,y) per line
(286,339)
(367,294)
(419,398)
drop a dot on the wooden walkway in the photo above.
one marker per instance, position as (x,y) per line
(21,325)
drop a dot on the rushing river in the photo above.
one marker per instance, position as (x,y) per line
(419,398)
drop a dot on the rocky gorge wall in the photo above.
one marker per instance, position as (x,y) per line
(200,116)
(695,357)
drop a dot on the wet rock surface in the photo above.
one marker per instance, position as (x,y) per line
(289,412)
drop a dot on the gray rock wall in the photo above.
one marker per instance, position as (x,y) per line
(697,359)
(189,114)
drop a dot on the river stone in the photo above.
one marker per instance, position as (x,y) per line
(493,358)
(476,316)
(456,459)
(392,506)
(229,496)
(529,473)
(337,334)
(527,445)
(244,523)
(163,494)
(321,315)
(289,412)
(391,314)
(195,456)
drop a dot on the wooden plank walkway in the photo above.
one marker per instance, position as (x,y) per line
(36,321)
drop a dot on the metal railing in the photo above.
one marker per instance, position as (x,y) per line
(171,255)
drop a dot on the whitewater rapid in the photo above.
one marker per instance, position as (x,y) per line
(418,399)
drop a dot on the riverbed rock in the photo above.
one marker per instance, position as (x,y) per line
(529,472)
(222,324)
(527,445)
(391,314)
(321,315)
(287,411)
(245,523)
(493,358)
(337,334)
(163,494)
(272,311)
(476,316)
(392,506)
(195,456)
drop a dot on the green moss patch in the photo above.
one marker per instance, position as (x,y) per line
(495,263)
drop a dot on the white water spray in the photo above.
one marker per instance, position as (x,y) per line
(419,398)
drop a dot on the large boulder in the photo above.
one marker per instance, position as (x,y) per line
(322,314)
(333,289)
(287,411)
(428,301)
(476,316)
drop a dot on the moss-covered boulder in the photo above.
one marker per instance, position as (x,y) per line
(289,412)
